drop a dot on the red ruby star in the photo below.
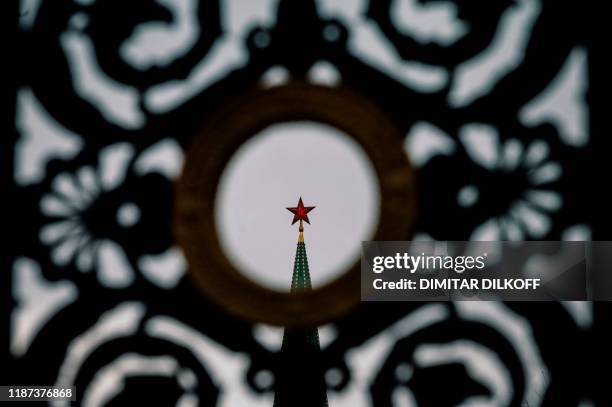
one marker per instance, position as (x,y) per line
(300,212)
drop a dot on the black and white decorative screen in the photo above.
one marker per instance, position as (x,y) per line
(491,98)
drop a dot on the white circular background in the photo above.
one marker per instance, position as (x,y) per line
(270,172)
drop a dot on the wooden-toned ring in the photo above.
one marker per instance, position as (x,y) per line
(214,145)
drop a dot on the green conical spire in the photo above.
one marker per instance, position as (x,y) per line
(301,282)
(299,379)
(301,275)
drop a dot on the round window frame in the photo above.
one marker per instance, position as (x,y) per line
(207,156)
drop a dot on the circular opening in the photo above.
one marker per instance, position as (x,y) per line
(333,377)
(331,32)
(128,214)
(317,162)
(262,39)
(264,379)
(403,372)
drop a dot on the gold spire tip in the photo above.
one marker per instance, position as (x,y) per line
(301,236)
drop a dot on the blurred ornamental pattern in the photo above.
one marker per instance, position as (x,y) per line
(492,102)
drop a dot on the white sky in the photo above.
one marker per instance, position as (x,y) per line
(269,173)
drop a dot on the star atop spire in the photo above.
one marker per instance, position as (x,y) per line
(301,375)
(300,212)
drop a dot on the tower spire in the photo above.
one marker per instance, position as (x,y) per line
(301,275)
(299,378)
